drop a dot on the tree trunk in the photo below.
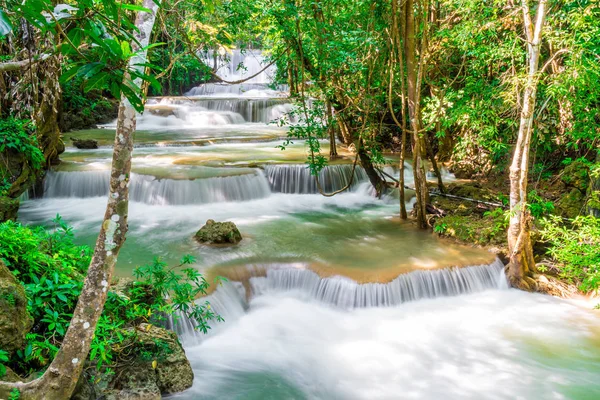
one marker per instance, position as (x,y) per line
(420,177)
(333,154)
(521,263)
(396,45)
(593,204)
(59,380)
(46,118)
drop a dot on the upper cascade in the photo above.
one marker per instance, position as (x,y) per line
(240,65)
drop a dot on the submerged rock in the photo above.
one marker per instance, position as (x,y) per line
(15,320)
(218,233)
(85,143)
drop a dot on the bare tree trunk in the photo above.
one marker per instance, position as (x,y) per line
(59,380)
(397,46)
(333,154)
(420,177)
(593,204)
(46,118)
(521,264)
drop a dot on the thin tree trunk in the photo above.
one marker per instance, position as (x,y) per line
(333,154)
(60,379)
(594,193)
(396,44)
(420,177)
(521,264)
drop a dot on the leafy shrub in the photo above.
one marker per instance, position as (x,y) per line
(18,135)
(575,247)
(538,206)
(51,268)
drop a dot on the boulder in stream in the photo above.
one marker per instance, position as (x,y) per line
(218,233)
(85,143)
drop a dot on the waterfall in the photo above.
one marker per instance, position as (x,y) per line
(416,285)
(150,190)
(238,90)
(215,111)
(296,178)
(229,300)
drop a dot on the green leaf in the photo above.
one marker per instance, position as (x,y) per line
(134,7)
(5,25)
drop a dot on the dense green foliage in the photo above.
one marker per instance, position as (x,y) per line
(575,247)
(51,268)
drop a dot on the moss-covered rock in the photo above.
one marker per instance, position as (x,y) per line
(571,204)
(576,175)
(149,378)
(15,320)
(8,208)
(85,143)
(218,233)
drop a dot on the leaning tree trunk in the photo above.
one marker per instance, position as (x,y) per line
(521,264)
(59,380)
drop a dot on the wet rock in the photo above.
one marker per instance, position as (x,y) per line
(85,143)
(218,233)
(8,208)
(160,111)
(15,320)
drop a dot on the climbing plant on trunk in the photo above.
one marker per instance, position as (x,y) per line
(521,264)
(60,379)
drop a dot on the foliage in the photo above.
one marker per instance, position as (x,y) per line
(489,229)
(51,268)
(3,359)
(18,136)
(538,206)
(574,246)
(95,37)
(311,129)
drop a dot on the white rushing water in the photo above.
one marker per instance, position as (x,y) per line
(495,344)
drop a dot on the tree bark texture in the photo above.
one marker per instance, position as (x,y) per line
(521,262)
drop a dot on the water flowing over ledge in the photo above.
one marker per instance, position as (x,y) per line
(289,179)
(150,190)
(297,179)
(230,299)
(416,285)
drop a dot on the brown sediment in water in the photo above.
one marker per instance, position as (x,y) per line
(243,273)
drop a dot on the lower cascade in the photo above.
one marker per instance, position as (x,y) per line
(346,293)
(230,299)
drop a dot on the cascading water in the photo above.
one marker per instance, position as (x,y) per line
(147,189)
(297,178)
(347,294)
